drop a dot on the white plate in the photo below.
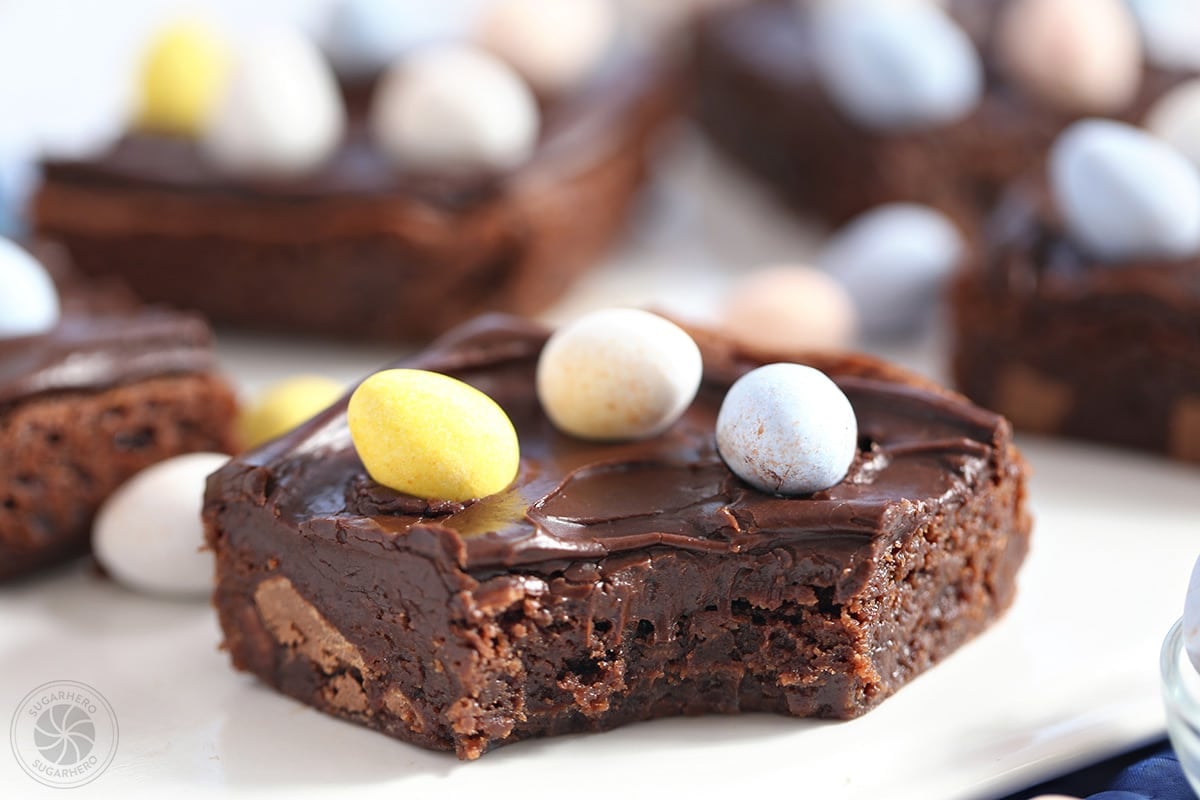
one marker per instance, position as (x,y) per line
(1067,677)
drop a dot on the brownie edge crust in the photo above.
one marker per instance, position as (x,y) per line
(615,583)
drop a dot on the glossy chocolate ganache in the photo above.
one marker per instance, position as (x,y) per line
(93,349)
(921,449)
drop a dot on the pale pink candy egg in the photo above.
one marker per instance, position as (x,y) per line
(786,308)
(1082,56)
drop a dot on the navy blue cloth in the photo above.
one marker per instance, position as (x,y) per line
(1151,772)
(1159,777)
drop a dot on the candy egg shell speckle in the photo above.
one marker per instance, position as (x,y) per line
(896,66)
(787,429)
(454,108)
(1175,118)
(432,436)
(285,405)
(1170,32)
(183,75)
(555,44)
(365,36)
(148,534)
(28,299)
(618,373)
(281,113)
(787,308)
(1078,55)
(894,260)
(1124,193)
(1191,617)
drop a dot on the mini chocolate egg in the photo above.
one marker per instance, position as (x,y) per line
(1191,618)
(896,66)
(284,405)
(365,36)
(1170,32)
(148,534)
(618,373)
(281,113)
(1081,56)
(894,261)
(28,299)
(1124,193)
(432,436)
(555,44)
(183,75)
(787,429)
(787,308)
(1175,118)
(454,108)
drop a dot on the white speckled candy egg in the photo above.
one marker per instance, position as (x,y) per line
(281,113)
(28,300)
(148,534)
(1175,118)
(454,108)
(555,44)
(366,36)
(618,373)
(894,261)
(1170,32)
(896,66)
(1077,55)
(787,308)
(1125,194)
(787,429)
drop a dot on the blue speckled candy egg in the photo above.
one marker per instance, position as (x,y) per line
(896,66)
(787,429)
(28,300)
(893,260)
(365,36)
(1125,194)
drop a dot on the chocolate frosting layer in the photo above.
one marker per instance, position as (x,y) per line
(921,448)
(1028,252)
(98,348)
(576,130)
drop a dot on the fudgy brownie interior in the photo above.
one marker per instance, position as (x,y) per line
(616,582)
(112,390)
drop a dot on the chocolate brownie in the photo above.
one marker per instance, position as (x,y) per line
(616,582)
(1063,345)
(110,391)
(759,100)
(315,254)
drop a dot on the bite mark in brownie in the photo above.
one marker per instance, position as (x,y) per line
(617,582)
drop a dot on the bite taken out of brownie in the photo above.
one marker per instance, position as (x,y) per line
(615,582)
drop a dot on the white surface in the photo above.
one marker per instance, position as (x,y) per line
(1067,677)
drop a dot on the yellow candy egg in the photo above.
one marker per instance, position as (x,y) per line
(431,436)
(285,405)
(183,75)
